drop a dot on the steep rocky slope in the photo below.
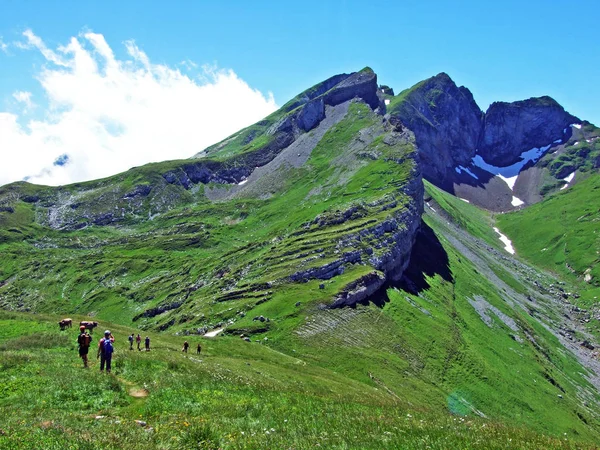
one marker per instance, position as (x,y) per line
(446,121)
(501,159)
(511,128)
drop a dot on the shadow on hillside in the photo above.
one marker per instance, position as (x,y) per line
(428,258)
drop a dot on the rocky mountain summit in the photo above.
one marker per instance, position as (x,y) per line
(481,156)
(446,121)
(511,128)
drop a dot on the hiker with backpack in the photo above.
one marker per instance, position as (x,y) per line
(105,351)
(186,345)
(147,340)
(84,340)
(138,339)
(131,342)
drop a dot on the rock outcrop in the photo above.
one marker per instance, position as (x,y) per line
(509,129)
(446,122)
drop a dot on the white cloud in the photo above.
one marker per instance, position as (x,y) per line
(3,46)
(25,98)
(106,115)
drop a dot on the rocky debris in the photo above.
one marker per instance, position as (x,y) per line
(7,209)
(141,423)
(261,319)
(105,219)
(298,303)
(509,129)
(587,344)
(247,339)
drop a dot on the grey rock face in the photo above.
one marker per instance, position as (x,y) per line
(311,114)
(359,290)
(446,122)
(361,84)
(511,128)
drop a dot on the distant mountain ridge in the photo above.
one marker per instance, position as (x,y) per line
(462,149)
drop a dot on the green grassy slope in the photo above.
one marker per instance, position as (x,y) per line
(234,395)
(207,261)
(561,234)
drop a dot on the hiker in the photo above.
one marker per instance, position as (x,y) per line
(131,342)
(84,340)
(147,341)
(105,350)
(199,349)
(138,339)
(185,347)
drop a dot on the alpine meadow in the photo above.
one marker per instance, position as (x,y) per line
(358,270)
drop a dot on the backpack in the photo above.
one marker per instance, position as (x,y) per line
(84,340)
(107,347)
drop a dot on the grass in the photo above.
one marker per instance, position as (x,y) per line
(235,395)
(561,234)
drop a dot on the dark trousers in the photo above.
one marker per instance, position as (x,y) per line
(105,360)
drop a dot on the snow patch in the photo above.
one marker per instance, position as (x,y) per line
(558,141)
(387,101)
(576,125)
(569,178)
(510,173)
(213,333)
(506,241)
(510,181)
(517,201)
(242,182)
(465,200)
(564,186)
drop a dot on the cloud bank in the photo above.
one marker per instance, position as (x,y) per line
(105,115)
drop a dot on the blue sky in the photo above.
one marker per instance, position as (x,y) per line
(505,50)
